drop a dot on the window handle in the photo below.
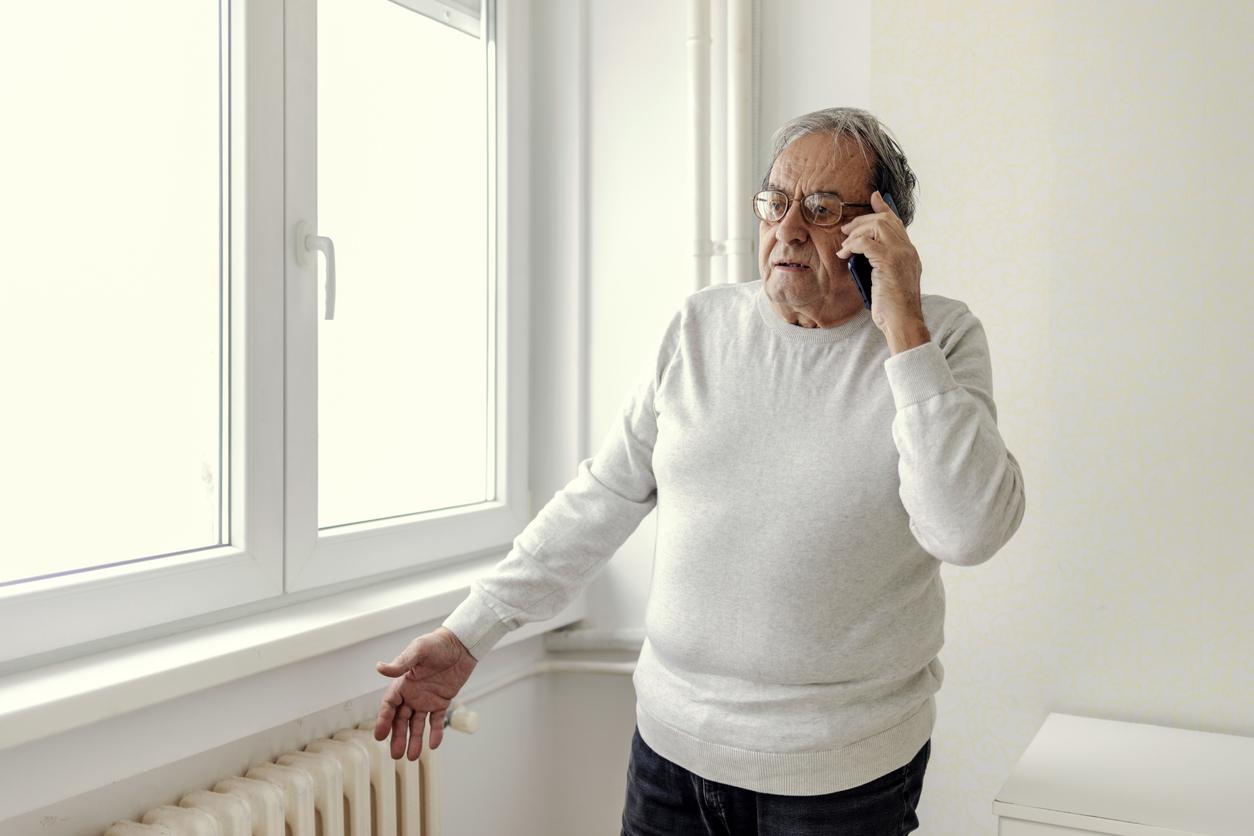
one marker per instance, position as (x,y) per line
(307,244)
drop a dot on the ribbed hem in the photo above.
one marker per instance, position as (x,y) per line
(919,373)
(476,624)
(796,773)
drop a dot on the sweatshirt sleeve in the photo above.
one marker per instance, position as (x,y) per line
(578,530)
(960,485)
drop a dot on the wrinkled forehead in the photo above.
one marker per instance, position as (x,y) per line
(819,162)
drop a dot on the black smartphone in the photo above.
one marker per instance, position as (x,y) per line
(860,267)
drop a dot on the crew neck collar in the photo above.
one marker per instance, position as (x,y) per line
(796,333)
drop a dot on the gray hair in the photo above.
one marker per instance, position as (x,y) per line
(890,171)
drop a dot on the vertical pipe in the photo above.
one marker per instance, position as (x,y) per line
(741,266)
(699,135)
(582,258)
(719,142)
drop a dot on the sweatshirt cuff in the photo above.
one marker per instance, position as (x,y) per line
(476,624)
(918,374)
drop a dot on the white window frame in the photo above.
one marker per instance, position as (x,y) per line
(317,558)
(272,508)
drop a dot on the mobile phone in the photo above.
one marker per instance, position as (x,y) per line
(860,266)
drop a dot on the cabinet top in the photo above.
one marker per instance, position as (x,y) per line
(1192,781)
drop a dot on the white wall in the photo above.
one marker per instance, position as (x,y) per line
(815,54)
(639,237)
(1087,190)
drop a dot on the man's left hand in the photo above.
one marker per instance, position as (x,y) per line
(896,301)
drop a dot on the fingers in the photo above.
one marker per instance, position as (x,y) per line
(860,236)
(437,728)
(884,217)
(405,712)
(860,243)
(399,728)
(383,722)
(416,723)
(387,712)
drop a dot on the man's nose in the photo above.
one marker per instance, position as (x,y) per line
(792,226)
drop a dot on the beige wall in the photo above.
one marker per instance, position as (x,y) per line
(1087,190)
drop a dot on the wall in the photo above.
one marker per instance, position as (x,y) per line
(639,238)
(814,55)
(1087,190)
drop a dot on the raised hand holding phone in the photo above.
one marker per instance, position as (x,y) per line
(860,267)
(886,268)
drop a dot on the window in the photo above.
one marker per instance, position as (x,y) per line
(186,430)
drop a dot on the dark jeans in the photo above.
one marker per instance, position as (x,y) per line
(664,798)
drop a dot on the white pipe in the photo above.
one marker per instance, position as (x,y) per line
(699,135)
(719,145)
(739,246)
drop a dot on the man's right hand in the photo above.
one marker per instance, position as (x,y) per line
(429,672)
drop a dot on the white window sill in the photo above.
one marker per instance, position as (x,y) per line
(51,700)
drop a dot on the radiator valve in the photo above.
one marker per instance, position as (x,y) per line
(462,719)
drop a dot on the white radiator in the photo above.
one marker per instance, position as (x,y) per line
(344,785)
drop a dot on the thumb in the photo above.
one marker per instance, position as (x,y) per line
(402,663)
(879,204)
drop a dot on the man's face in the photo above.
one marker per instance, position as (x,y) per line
(813,163)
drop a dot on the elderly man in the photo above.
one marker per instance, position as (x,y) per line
(813,463)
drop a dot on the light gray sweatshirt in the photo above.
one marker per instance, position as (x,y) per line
(808,487)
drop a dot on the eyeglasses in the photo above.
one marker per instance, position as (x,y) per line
(820,208)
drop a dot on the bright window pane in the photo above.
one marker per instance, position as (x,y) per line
(110,439)
(403,369)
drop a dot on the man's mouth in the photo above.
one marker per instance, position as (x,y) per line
(791,265)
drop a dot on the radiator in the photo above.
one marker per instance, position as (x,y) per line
(343,785)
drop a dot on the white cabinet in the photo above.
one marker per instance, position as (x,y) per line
(1081,775)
